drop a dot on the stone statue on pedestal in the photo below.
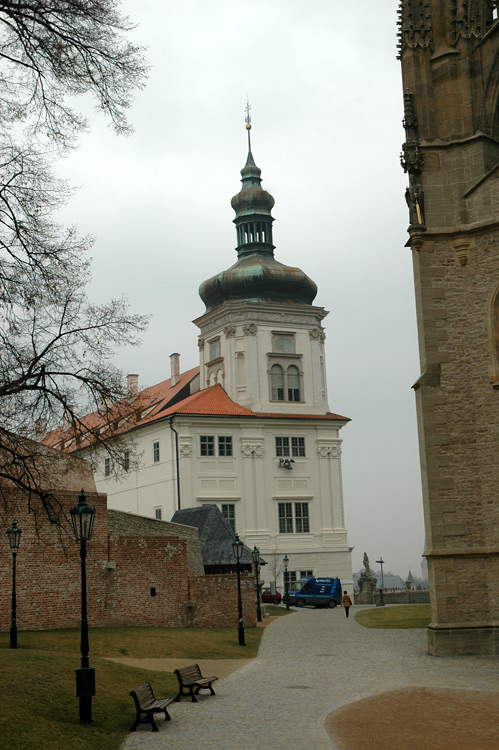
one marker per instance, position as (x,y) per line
(367,583)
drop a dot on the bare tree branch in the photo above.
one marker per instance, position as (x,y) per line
(56,346)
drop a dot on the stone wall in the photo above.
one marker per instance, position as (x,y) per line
(452,161)
(397,597)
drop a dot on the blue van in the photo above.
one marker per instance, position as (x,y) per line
(315,592)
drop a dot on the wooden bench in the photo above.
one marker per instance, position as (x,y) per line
(191,680)
(146,703)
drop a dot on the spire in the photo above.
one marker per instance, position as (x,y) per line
(252,205)
(247,119)
(257,275)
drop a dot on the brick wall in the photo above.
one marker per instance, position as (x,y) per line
(48,572)
(123,571)
(214,600)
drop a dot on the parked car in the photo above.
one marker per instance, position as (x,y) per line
(269,598)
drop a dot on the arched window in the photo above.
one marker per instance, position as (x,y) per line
(493,332)
(293,383)
(277,383)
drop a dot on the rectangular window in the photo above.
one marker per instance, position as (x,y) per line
(229,512)
(306,573)
(297,446)
(290,576)
(107,467)
(285,518)
(293,518)
(302,523)
(157,514)
(224,446)
(126,461)
(207,445)
(155,451)
(284,446)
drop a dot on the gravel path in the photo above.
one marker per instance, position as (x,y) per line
(310,664)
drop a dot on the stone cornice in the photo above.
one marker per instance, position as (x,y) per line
(233,313)
(492,551)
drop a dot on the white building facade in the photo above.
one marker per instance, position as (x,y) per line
(251,430)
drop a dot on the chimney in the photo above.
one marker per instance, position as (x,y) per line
(175,368)
(133,386)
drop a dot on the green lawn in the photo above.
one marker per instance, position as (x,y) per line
(274,610)
(404,616)
(38,705)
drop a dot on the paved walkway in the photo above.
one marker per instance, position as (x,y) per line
(310,663)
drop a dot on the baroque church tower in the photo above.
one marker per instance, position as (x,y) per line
(449,50)
(249,431)
(261,336)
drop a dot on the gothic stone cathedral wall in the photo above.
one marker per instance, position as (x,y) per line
(459,437)
(450,65)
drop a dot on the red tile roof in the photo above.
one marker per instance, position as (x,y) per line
(154,404)
(124,415)
(214,401)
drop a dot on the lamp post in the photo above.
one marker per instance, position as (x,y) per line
(14,534)
(285,562)
(381,600)
(237,549)
(256,561)
(82,518)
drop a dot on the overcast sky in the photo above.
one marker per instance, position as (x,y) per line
(326,96)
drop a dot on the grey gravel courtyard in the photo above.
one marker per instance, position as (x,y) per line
(309,664)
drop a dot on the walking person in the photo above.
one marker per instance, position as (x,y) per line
(346,602)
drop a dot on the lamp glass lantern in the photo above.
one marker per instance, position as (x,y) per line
(82,518)
(237,548)
(14,534)
(256,555)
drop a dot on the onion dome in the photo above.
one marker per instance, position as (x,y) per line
(257,275)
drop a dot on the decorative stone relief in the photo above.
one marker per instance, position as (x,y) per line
(249,329)
(200,343)
(229,331)
(414,25)
(252,449)
(417,241)
(471,18)
(328,451)
(461,246)
(317,333)
(185,449)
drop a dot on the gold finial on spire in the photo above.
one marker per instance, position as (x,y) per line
(248,122)
(248,116)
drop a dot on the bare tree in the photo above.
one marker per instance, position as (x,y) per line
(56,346)
(275,567)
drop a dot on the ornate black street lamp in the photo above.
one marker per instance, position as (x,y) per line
(14,534)
(381,600)
(256,563)
(237,548)
(82,518)
(285,562)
